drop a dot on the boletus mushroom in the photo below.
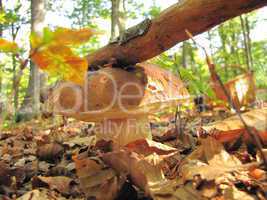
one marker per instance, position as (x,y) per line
(119,101)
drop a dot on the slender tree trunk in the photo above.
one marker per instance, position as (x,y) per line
(14,32)
(210,43)
(233,50)
(191,60)
(225,53)
(31,103)
(117,18)
(114,11)
(122,17)
(245,42)
(1,10)
(177,64)
(184,55)
(249,41)
(1,34)
(15,88)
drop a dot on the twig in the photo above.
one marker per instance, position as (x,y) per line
(178,123)
(255,136)
(22,66)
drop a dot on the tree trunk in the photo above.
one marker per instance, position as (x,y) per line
(184,55)
(117,18)
(1,34)
(249,41)
(223,36)
(245,42)
(153,37)
(210,43)
(233,50)
(14,32)
(31,103)
(1,26)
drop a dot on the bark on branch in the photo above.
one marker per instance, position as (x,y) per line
(168,29)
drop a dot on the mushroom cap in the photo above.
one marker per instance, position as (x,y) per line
(114,93)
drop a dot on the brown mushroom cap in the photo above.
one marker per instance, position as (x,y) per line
(113,93)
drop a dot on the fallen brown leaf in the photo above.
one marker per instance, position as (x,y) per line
(97,180)
(50,152)
(257,173)
(209,160)
(241,89)
(62,184)
(232,128)
(183,192)
(81,141)
(5,177)
(145,175)
(147,147)
(232,193)
(42,194)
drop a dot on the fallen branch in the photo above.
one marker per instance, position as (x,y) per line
(153,37)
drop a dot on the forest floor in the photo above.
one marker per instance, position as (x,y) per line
(43,160)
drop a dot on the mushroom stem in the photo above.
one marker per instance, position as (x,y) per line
(123,131)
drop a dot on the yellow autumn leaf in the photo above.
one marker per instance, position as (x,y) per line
(60,61)
(35,40)
(8,47)
(51,52)
(2,18)
(61,36)
(79,68)
(67,36)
